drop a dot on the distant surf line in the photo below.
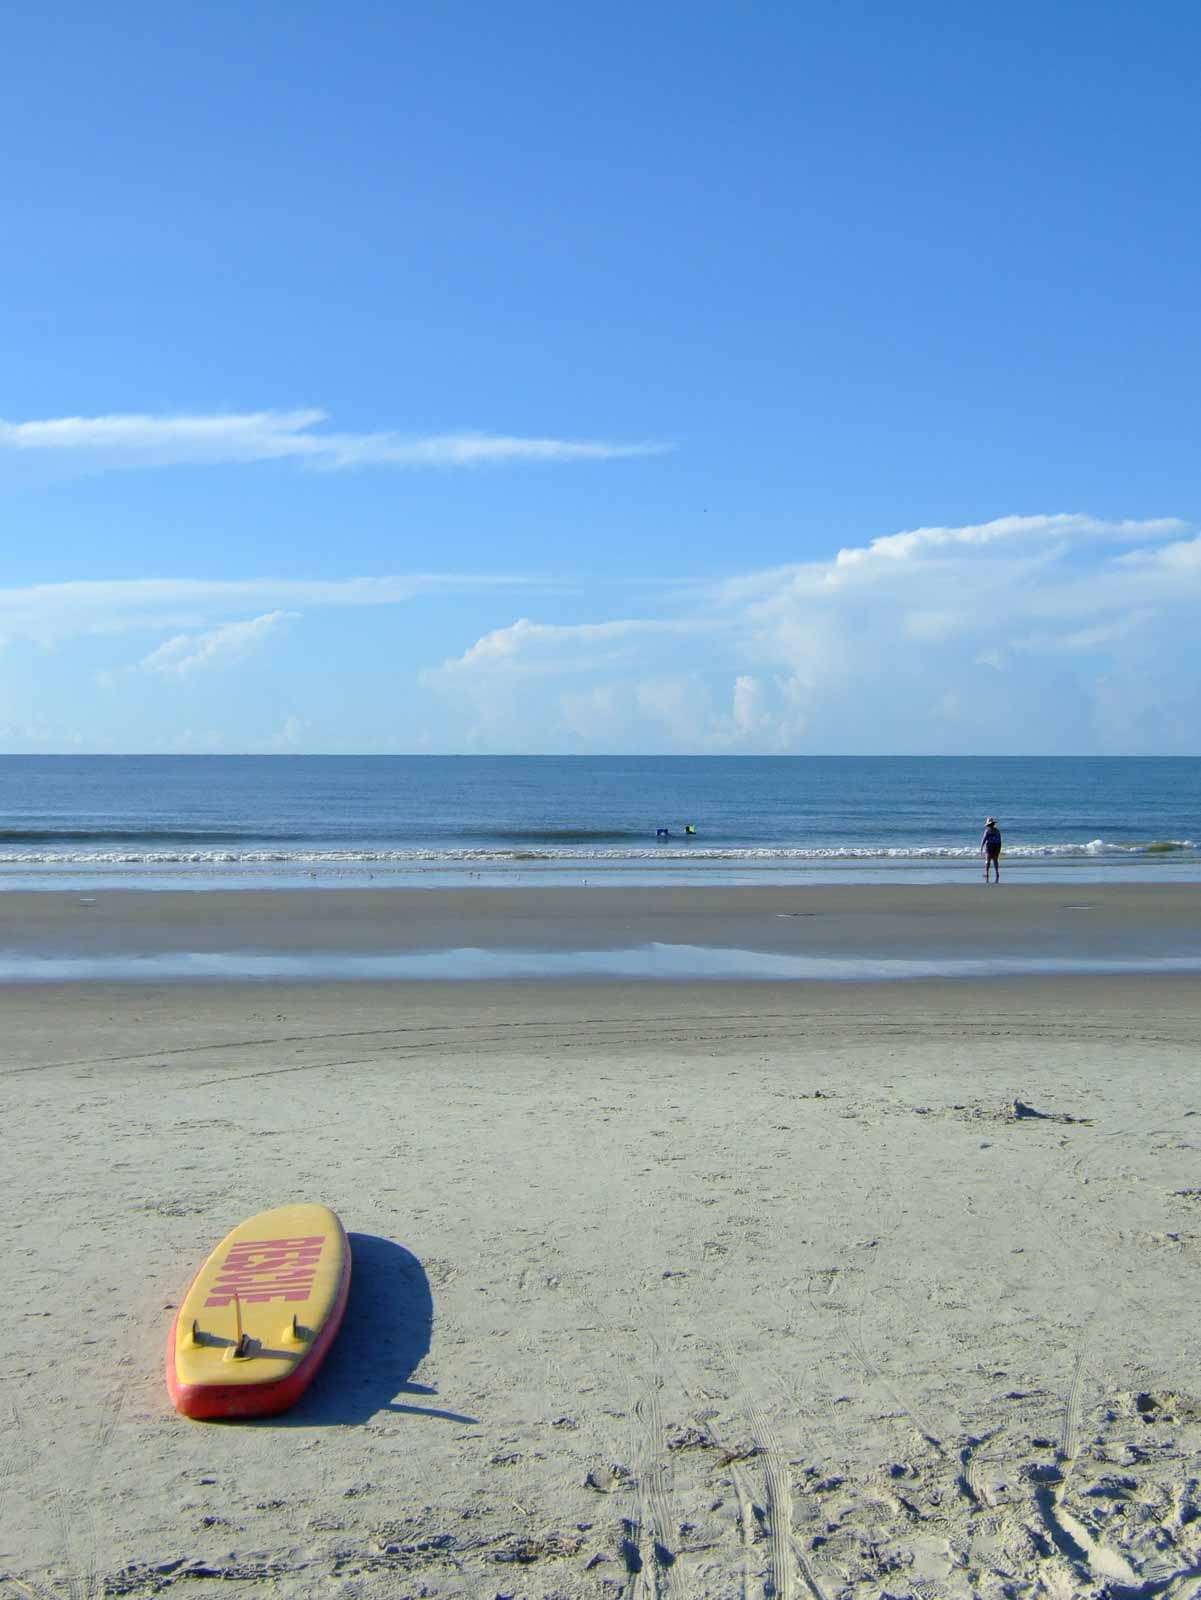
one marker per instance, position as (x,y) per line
(266,854)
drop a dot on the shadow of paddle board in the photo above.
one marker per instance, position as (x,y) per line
(385,1336)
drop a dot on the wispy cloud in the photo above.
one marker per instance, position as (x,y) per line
(49,612)
(135,440)
(187,653)
(522,644)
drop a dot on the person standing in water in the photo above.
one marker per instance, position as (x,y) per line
(990,848)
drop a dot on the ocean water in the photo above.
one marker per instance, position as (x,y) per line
(234,821)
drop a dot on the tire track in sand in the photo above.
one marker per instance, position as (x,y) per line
(1069,1536)
(12,1585)
(60,1512)
(785,1550)
(24,1587)
(786,1560)
(746,1529)
(655,1485)
(1069,1433)
(71,1508)
(853,1340)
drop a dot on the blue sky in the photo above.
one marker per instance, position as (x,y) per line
(676,378)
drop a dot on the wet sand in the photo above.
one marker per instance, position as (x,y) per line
(690,1289)
(965,919)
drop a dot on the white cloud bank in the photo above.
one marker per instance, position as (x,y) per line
(154,441)
(1024,635)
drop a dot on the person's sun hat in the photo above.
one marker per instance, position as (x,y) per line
(990,822)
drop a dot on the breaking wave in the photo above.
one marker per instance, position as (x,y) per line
(572,847)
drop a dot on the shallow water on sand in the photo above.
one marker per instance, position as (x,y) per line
(653,962)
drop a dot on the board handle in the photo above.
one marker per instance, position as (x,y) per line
(240,1349)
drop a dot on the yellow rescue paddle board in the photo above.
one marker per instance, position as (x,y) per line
(260,1315)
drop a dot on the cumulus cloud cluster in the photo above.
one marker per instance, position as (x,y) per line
(1033,634)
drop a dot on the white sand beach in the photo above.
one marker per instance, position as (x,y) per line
(690,1290)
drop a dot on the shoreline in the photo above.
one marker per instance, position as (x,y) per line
(1142,870)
